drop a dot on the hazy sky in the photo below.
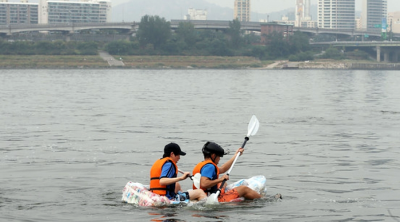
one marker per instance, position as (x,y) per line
(266,6)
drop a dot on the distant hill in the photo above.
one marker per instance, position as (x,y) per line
(134,10)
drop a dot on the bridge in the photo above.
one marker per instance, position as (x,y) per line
(217,24)
(256,26)
(349,32)
(198,24)
(390,49)
(68,27)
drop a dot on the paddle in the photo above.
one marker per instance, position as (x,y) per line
(195,178)
(251,131)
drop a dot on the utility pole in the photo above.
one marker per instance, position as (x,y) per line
(391,30)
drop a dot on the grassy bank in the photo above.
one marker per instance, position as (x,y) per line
(160,62)
(191,62)
(51,61)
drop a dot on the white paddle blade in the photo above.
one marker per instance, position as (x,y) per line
(196,180)
(213,198)
(253,126)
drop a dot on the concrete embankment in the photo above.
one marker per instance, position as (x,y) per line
(375,66)
(343,64)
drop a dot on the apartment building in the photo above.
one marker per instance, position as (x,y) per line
(309,24)
(302,13)
(358,23)
(336,14)
(394,22)
(196,14)
(285,30)
(241,10)
(373,11)
(18,13)
(55,12)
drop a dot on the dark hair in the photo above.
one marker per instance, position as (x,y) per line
(207,155)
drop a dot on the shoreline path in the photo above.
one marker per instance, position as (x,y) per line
(111,61)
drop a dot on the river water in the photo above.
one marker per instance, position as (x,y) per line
(71,139)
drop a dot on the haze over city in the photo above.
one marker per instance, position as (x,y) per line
(267,6)
(133,10)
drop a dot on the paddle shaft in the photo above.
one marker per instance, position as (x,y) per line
(229,171)
(180,171)
(245,141)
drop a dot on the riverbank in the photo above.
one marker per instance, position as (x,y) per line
(175,62)
(129,62)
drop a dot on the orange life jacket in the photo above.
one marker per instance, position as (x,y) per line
(155,174)
(199,166)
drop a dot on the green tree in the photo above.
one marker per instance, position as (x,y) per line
(235,33)
(187,33)
(118,47)
(258,52)
(299,42)
(252,38)
(203,47)
(293,58)
(44,48)
(153,30)
(207,34)
(174,46)
(87,48)
(277,46)
(220,48)
(57,47)
(333,53)
(304,56)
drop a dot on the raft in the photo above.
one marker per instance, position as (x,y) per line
(139,194)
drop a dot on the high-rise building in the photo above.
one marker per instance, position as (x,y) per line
(336,14)
(373,11)
(394,22)
(53,11)
(358,23)
(18,13)
(302,12)
(241,10)
(196,14)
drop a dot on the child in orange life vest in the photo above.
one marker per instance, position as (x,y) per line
(210,171)
(164,180)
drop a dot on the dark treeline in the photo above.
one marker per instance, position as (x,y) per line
(154,37)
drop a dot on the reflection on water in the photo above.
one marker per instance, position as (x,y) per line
(71,139)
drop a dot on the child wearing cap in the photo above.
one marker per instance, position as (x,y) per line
(164,179)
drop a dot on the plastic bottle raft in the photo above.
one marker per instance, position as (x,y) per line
(139,194)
